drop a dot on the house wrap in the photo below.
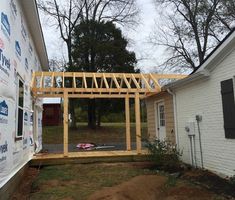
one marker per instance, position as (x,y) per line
(22,51)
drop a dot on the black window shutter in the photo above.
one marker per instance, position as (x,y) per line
(228,107)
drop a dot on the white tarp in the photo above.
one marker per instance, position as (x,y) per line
(17,58)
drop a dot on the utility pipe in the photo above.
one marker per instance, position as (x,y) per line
(191,150)
(198,119)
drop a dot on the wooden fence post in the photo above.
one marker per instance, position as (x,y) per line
(138,123)
(65,124)
(128,130)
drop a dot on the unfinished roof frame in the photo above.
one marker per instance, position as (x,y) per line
(100,85)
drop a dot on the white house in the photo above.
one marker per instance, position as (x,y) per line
(22,51)
(204,106)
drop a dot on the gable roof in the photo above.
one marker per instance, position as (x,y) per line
(216,49)
(210,62)
(32,17)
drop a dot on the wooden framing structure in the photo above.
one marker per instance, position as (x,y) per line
(99,85)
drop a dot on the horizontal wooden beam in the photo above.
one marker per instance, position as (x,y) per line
(91,96)
(109,75)
(126,83)
(113,90)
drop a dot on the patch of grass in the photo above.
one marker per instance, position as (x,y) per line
(171,181)
(107,133)
(79,181)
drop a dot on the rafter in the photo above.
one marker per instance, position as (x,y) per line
(105,81)
(126,81)
(95,81)
(115,81)
(135,82)
(110,85)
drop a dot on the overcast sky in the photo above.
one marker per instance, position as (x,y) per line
(149,56)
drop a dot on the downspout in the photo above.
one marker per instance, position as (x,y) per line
(175,116)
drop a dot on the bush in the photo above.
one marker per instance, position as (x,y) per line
(164,154)
(232,180)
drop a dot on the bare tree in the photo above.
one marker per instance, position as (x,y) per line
(66,14)
(69,13)
(191,29)
(57,64)
(118,11)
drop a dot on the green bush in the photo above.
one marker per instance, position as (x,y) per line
(164,154)
(232,180)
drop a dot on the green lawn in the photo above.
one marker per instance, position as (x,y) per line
(79,181)
(107,133)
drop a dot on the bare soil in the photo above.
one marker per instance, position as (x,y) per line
(211,181)
(120,181)
(24,189)
(151,187)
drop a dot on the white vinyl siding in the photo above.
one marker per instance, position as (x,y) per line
(203,97)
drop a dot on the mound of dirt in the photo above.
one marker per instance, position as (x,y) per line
(150,187)
(138,188)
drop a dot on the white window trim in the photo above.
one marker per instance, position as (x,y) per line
(17,108)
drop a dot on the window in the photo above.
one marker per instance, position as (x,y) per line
(161,115)
(228,108)
(20,109)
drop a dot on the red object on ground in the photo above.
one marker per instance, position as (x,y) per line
(86,146)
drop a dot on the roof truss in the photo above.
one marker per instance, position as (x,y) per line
(97,85)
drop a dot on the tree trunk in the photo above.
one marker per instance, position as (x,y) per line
(91,114)
(72,112)
(69,48)
(72,102)
(99,114)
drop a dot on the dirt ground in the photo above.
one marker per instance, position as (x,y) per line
(25,188)
(120,181)
(151,187)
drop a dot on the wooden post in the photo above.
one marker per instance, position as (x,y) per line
(128,129)
(65,124)
(138,123)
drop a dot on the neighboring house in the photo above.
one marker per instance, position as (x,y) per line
(160,117)
(204,107)
(52,113)
(22,51)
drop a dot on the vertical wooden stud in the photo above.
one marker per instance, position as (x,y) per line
(138,123)
(41,80)
(128,129)
(65,124)
(63,80)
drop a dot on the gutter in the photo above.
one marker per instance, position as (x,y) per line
(199,75)
(175,117)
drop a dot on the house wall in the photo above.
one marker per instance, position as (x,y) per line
(203,97)
(18,57)
(152,116)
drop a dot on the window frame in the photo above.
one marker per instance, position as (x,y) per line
(17,136)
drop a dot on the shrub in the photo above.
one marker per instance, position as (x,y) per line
(232,180)
(164,154)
